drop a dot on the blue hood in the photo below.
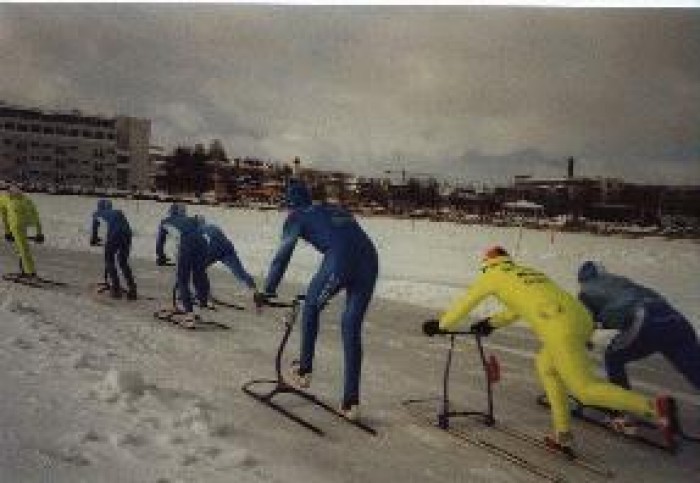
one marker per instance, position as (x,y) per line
(104,204)
(590,270)
(177,209)
(297,195)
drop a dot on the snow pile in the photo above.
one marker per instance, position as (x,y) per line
(126,385)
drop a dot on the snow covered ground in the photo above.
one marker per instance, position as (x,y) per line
(424,262)
(98,391)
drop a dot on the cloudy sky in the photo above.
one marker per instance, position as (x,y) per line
(471,93)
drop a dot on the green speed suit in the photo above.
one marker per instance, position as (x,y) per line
(562,325)
(19,213)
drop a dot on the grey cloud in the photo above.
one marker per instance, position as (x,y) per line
(365,88)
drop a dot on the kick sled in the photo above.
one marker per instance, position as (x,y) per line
(265,390)
(446,417)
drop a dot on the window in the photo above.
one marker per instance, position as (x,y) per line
(87,134)
(60,130)
(22,127)
(48,130)
(110,136)
(10,126)
(74,132)
(99,135)
(36,128)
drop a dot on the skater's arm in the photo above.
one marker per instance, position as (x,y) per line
(290,235)
(503,318)
(160,241)
(95,227)
(461,308)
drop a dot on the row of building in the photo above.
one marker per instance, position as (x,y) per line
(71,149)
(75,152)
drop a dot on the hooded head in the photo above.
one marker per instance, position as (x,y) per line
(493,256)
(104,204)
(297,195)
(590,270)
(177,209)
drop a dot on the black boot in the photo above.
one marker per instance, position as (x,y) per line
(115,292)
(131,293)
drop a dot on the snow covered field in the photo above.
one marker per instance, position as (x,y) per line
(423,262)
(98,391)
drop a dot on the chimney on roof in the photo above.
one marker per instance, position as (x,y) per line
(570,167)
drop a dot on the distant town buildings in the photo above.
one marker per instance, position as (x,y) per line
(71,152)
(54,149)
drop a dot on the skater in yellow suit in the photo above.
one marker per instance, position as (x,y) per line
(19,213)
(563,326)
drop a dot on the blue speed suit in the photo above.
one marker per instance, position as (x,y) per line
(117,245)
(191,254)
(349,262)
(220,249)
(647,324)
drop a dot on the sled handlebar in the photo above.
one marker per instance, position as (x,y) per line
(272,301)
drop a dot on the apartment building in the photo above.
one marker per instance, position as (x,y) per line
(71,149)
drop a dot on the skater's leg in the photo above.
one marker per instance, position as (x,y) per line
(200,279)
(572,363)
(358,299)
(555,390)
(233,263)
(322,288)
(123,258)
(184,274)
(22,247)
(111,250)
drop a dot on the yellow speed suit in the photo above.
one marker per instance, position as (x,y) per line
(563,326)
(18,213)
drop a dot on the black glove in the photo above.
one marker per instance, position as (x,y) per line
(483,327)
(95,241)
(9,237)
(432,327)
(162,261)
(39,238)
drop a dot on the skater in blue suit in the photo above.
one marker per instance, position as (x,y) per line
(117,247)
(349,262)
(191,257)
(646,322)
(221,249)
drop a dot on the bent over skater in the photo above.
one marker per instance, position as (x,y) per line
(221,249)
(117,247)
(349,263)
(190,259)
(563,326)
(18,214)
(645,321)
